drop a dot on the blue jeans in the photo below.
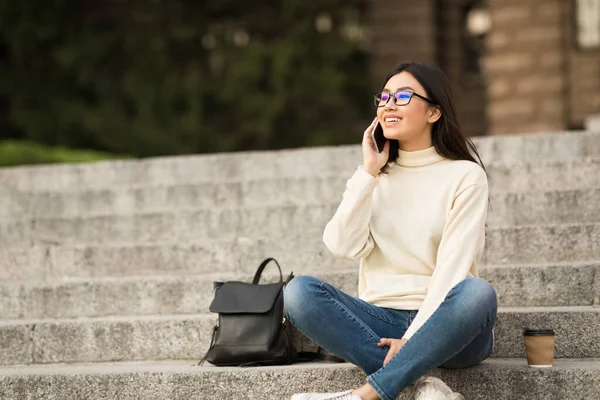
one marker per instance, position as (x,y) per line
(457,335)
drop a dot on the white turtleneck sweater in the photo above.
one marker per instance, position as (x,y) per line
(418,231)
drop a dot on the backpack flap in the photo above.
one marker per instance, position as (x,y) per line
(241,297)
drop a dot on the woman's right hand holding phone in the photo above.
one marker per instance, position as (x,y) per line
(372,160)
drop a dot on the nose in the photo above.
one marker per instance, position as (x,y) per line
(391,104)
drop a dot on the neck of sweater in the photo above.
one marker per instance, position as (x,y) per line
(418,158)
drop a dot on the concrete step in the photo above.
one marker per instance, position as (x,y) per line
(288,213)
(545,175)
(323,186)
(538,147)
(498,379)
(105,339)
(544,207)
(508,209)
(543,244)
(188,336)
(157,227)
(576,330)
(210,195)
(269,164)
(516,286)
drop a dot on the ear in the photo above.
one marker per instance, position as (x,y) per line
(434,114)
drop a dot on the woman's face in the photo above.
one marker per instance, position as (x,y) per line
(410,124)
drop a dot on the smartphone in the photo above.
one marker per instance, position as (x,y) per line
(378,138)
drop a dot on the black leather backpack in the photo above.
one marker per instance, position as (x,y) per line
(251,328)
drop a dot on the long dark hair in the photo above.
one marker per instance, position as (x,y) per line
(446,135)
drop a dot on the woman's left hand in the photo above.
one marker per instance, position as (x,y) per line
(395,346)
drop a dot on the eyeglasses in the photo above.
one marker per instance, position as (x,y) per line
(400,98)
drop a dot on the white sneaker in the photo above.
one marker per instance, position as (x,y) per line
(431,388)
(327,396)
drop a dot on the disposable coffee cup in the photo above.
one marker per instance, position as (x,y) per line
(539,347)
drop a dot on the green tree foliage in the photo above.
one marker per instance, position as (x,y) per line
(162,77)
(20,152)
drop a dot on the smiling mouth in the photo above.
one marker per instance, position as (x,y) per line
(392,119)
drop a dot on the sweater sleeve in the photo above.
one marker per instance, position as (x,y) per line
(347,234)
(462,244)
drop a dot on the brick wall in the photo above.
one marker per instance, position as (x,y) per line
(583,73)
(525,66)
(402,30)
(534,78)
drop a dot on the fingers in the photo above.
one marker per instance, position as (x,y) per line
(389,356)
(370,128)
(394,348)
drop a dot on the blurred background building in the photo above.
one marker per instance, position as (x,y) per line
(126,79)
(518,66)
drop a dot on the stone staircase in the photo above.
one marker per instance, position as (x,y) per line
(106,269)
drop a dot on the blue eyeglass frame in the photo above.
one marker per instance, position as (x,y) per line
(393,95)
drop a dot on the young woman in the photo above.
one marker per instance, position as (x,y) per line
(415,216)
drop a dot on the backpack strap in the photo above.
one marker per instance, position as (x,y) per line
(212,342)
(262,266)
(303,356)
(289,278)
